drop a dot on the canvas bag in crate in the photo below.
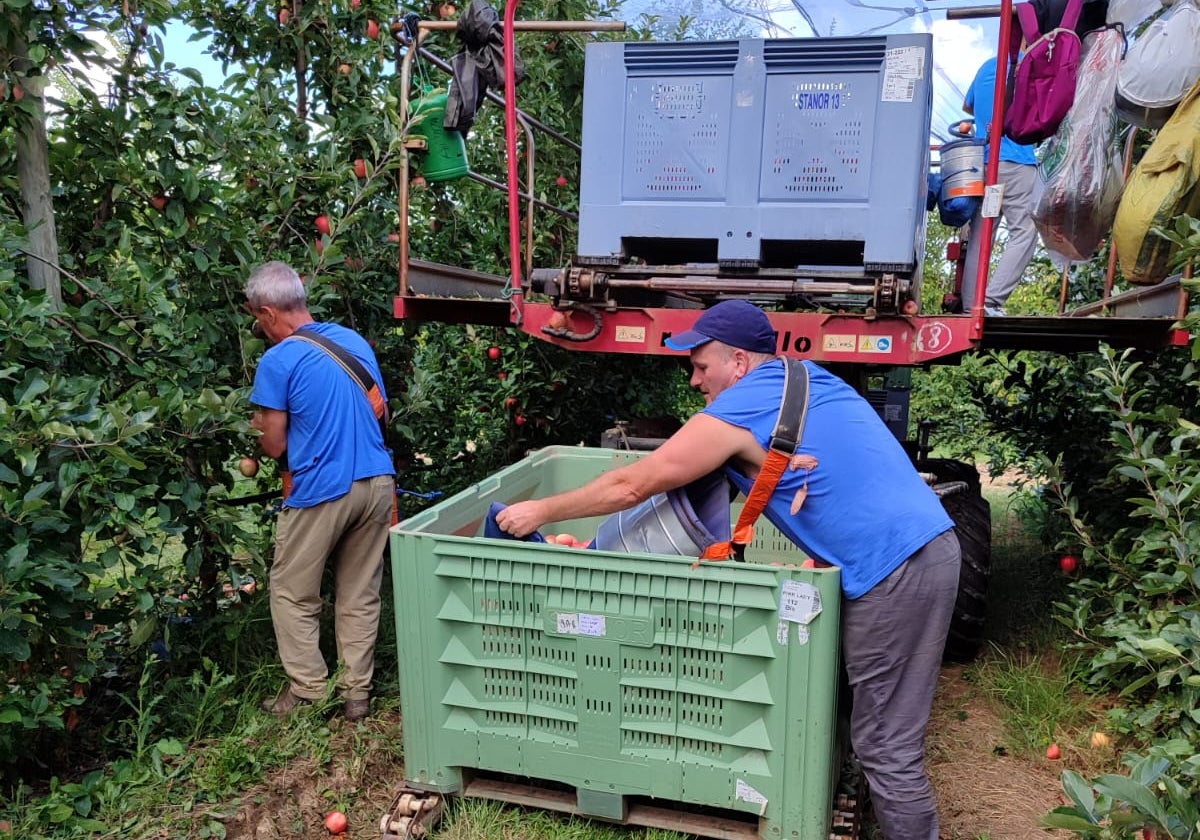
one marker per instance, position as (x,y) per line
(1163,185)
(1079,171)
(1041,82)
(1162,65)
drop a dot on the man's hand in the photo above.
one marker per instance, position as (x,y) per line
(522,519)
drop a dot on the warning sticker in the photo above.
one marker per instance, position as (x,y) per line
(799,602)
(875,344)
(903,68)
(838,344)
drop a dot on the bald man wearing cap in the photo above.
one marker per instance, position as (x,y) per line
(867,511)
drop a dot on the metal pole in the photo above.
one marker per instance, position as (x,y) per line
(1111,274)
(537,25)
(402,174)
(995,132)
(510,142)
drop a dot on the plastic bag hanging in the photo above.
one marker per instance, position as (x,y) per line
(1079,174)
(477,66)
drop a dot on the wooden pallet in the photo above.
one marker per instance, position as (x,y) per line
(414,813)
(533,795)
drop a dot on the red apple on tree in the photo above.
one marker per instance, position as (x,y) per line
(355,4)
(323,226)
(418,182)
(519,420)
(510,403)
(159,202)
(284,16)
(344,69)
(561,180)
(360,168)
(372,29)
(320,246)
(1068,563)
(248,467)
(493,353)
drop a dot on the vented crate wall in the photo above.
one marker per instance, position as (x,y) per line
(768,152)
(619,675)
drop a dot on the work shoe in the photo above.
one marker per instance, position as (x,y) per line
(285,703)
(356,710)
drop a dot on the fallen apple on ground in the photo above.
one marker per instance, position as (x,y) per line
(336,822)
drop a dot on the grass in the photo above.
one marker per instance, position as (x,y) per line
(1027,667)
(1038,697)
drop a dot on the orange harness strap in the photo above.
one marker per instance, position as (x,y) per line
(743,532)
(784,444)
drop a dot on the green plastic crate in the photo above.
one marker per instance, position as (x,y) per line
(621,675)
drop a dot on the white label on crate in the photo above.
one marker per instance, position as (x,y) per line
(903,67)
(591,625)
(744,792)
(799,602)
(993,197)
(567,622)
(781,632)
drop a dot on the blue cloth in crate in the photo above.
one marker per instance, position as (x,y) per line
(491,529)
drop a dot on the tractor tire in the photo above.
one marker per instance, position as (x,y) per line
(972,517)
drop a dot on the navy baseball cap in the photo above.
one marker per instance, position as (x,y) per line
(737,323)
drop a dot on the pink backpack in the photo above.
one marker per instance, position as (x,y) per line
(1042,87)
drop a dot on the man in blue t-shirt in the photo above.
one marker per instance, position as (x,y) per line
(865,509)
(1018,175)
(313,412)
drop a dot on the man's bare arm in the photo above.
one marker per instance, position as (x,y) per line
(704,444)
(273,424)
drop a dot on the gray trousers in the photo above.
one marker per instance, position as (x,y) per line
(1019,180)
(892,640)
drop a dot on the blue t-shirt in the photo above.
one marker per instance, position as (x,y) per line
(979,98)
(867,509)
(333,438)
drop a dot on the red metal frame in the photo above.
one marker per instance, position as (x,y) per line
(851,338)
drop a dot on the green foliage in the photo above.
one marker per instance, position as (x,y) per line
(1137,608)
(122,414)
(464,415)
(1145,804)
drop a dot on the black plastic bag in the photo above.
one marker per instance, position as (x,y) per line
(477,66)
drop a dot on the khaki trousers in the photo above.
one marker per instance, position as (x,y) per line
(352,532)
